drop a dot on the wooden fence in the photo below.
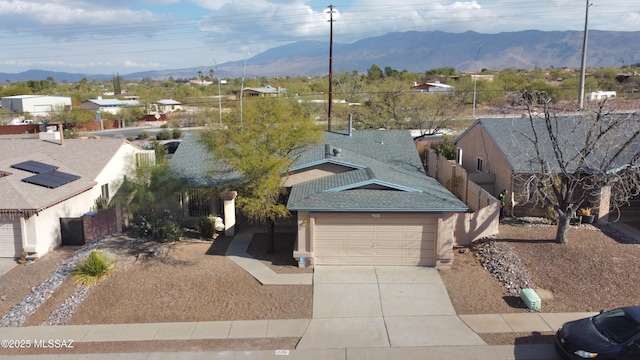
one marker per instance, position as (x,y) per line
(483,217)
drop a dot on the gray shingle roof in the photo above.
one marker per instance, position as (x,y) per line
(512,136)
(387,175)
(193,162)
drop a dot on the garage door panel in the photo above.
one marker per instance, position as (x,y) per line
(360,239)
(10,239)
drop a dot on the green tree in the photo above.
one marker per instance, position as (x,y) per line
(151,197)
(374,73)
(117,88)
(262,150)
(442,71)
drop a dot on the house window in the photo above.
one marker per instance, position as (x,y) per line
(105,191)
(479,165)
(459,156)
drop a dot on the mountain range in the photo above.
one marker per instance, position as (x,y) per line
(414,51)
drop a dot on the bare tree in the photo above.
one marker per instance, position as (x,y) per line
(573,158)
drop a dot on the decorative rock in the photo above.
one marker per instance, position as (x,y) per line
(503,263)
(39,294)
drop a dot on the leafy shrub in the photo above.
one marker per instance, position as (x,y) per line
(445,148)
(164,134)
(69,134)
(163,228)
(164,126)
(101,203)
(177,133)
(96,267)
(143,135)
(170,231)
(206,227)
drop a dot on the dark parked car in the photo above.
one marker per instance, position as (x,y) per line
(612,334)
(172,146)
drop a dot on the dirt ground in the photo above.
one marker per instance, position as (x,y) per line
(192,280)
(589,273)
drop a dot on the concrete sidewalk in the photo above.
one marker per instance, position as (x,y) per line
(503,352)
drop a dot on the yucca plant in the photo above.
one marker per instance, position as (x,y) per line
(96,267)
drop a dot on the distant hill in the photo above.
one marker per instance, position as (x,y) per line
(415,51)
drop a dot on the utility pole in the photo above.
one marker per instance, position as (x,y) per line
(475,82)
(330,66)
(584,58)
(219,98)
(242,86)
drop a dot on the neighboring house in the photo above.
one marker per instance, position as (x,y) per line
(44,180)
(487,78)
(600,95)
(497,151)
(266,91)
(364,199)
(113,106)
(432,87)
(36,105)
(166,106)
(360,199)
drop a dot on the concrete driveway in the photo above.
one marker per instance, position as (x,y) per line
(382,306)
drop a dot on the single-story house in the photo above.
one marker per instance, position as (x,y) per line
(266,91)
(36,105)
(496,152)
(113,106)
(432,87)
(361,198)
(165,106)
(44,180)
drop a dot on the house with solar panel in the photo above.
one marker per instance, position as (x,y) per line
(43,180)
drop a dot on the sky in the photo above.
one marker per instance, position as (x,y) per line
(123,37)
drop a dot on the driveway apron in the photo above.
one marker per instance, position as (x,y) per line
(382,306)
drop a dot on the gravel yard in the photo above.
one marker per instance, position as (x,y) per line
(192,280)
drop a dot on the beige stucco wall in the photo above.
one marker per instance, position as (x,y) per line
(122,163)
(316,172)
(41,232)
(475,144)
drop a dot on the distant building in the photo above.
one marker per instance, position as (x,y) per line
(36,105)
(488,78)
(600,95)
(265,91)
(112,106)
(164,106)
(434,87)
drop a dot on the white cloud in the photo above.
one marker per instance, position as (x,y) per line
(105,37)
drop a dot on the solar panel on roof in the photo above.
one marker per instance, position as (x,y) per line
(34,167)
(51,179)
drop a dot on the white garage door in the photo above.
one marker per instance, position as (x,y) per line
(374,239)
(10,239)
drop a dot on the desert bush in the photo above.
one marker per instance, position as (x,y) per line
(96,267)
(206,227)
(164,134)
(177,133)
(143,135)
(170,231)
(163,228)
